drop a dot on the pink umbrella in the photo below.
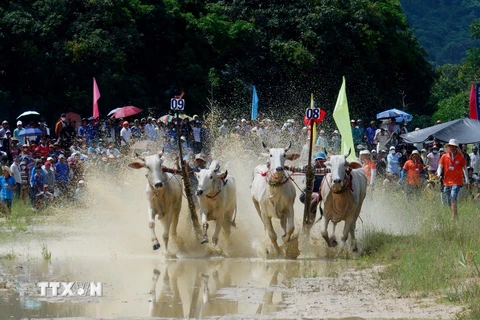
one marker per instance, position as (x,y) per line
(126,112)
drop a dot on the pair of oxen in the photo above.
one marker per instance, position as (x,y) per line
(273,193)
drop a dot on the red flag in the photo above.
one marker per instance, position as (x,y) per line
(96,96)
(473,103)
(180,96)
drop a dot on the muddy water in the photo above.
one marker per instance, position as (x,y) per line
(147,287)
(144,287)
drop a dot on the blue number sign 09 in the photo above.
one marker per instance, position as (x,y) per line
(312,113)
(177,104)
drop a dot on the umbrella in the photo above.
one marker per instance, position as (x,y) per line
(28,113)
(126,112)
(166,118)
(464,130)
(399,115)
(183,116)
(30,132)
(113,111)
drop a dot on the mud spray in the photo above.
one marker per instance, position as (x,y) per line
(113,222)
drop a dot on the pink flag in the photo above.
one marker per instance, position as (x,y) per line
(96,96)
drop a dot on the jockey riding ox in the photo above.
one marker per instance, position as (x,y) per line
(164,194)
(217,197)
(273,193)
(343,191)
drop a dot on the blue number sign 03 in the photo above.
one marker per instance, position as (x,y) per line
(313,113)
(177,104)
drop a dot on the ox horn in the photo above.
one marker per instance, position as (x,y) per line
(289,146)
(265,146)
(348,154)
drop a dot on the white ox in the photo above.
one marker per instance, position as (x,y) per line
(273,193)
(218,201)
(164,194)
(343,191)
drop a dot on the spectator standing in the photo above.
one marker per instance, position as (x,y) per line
(336,142)
(125,135)
(322,142)
(393,167)
(382,137)
(7,185)
(62,123)
(49,174)
(223,130)
(433,158)
(412,170)
(454,168)
(369,166)
(150,129)
(62,174)
(197,137)
(25,178)
(474,160)
(15,168)
(369,135)
(16,133)
(82,130)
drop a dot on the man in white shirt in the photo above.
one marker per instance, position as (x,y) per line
(474,160)
(382,137)
(125,135)
(197,137)
(15,167)
(150,129)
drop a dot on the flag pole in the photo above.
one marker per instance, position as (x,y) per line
(309,177)
(186,182)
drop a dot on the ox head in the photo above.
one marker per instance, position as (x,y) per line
(339,167)
(209,178)
(155,175)
(276,161)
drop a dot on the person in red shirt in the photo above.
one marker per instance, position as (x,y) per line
(42,149)
(454,168)
(412,170)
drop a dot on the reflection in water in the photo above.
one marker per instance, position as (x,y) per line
(143,287)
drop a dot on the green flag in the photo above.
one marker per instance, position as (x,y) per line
(342,120)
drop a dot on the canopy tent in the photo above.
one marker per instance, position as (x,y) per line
(464,130)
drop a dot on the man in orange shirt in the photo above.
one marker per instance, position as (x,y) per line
(369,166)
(454,167)
(412,171)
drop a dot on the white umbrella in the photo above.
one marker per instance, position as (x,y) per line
(113,111)
(28,113)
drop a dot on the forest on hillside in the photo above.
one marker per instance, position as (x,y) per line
(442,27)
(142,52)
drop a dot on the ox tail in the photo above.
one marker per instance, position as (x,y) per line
(321,212)
(234,217)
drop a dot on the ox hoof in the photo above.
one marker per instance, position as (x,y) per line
(214,241)
(334,243)
(156,246)
(204,240)
(156,272)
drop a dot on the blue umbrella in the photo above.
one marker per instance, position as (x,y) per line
(399,115)
(30,132)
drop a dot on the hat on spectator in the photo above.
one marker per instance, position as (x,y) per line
(200,156)
(441,150)
(383,127)
(125,123)
(61,156)
(352,121)
(322,131)
(244,120)
(319,155)
(372,122)
(335,132)
(383,151)
(360,147)
(474,148)
(359,120)
(19,123)
(47,163)
(423,150)
(452,142)
(364,152)
(224,121)
(4,122)
(415,152)
(374,151)
(392,148)
(7,168)
(49,159)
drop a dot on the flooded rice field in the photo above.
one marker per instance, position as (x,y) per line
(107,241)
